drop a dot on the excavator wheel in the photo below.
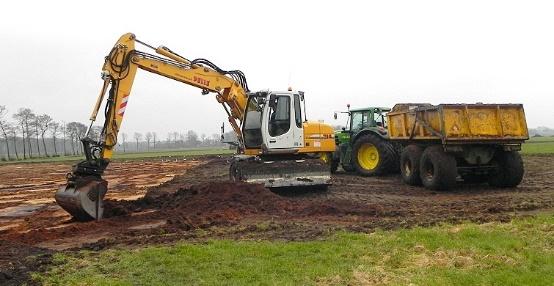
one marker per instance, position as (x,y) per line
(83,198)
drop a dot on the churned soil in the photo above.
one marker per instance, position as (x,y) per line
(195,201)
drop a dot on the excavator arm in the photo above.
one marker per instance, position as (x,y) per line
(119,72)
(83,195)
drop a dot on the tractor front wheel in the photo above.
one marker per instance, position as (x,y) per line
(372,155)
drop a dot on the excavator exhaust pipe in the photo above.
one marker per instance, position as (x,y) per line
(83,198)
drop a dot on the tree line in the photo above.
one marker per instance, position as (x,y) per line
(26,135)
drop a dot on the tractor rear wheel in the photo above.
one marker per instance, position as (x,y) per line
(348,168)
(372,155)
(409,165)
(437,169)
(509,172)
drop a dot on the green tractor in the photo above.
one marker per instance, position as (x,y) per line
(363,145)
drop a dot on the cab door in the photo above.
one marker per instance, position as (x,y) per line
(278,122)
(298,126)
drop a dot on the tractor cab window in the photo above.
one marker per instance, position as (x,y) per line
(360,120)
(381,120)
(279,116)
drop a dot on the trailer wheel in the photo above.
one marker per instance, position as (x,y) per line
(409,165)
(437,169)
(509,172)
(474,178)
(372,156)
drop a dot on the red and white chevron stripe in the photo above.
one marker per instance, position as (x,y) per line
(123,105)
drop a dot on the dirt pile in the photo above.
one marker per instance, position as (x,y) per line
(207,204)
(225,203)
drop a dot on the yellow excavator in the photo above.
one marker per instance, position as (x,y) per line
(278,147)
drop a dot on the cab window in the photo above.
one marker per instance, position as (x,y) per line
(297,111)
(279,116)
(381,120)
(359,121)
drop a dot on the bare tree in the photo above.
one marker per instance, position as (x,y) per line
(35,123)
(192,138)
(203,138)
(5,127)
(95,132)
(54,131)
(81,132)
(64,131)
(215,138)
(43,124)
(72,132)
(154,137)
(13,133)
(148,138)
(175,137)
(24,118)
(138,137)
(76,131)
(124,139)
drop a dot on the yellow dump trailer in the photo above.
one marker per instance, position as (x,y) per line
(447,142)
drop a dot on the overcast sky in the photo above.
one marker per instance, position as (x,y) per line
(366,53)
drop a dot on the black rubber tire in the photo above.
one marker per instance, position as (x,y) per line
(409,165)
(334,165)
(395,157)
(509,170)
(234,173)
(348,169)
(388,157)
(475,179)
(437,169)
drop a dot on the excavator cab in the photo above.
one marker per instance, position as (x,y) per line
(273,121)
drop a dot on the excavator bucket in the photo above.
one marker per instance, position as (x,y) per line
(83,198)
(282,173)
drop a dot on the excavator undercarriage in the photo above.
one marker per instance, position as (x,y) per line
(280,173)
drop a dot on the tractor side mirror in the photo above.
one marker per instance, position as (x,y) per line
(335,116)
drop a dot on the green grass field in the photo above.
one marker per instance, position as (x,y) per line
(539,145)
(517,253)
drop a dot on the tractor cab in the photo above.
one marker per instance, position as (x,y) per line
(372,117)
(361,119)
